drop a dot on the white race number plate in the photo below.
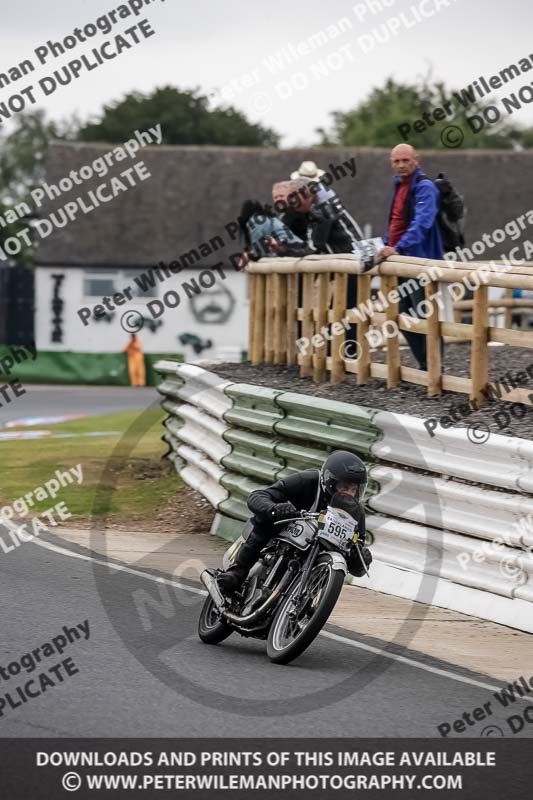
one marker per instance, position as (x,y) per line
(337,526)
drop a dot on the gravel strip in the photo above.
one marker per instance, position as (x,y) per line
(510,419)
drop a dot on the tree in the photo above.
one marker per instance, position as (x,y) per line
(376,121)
(184,116)
(22,159)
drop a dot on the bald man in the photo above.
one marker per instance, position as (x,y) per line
(413,228)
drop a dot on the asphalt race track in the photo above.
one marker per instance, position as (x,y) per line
(41,401)
(43,589)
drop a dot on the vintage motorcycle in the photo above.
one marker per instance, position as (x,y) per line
(291,590)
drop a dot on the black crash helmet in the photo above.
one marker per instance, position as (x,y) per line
(341,465)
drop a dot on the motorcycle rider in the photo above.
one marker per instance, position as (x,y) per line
(342,475)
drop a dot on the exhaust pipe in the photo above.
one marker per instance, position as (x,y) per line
(252,618)
(210,583)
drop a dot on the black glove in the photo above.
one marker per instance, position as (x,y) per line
(283,511)
(353,561)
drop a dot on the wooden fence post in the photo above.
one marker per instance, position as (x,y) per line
(390,284)
(338,331)
(508,312)
(292,316)
(269,318)
(320,352)
(479,358)
(433,342)
(258,320)
(251,315)
(306,366)
(280,318)
(363,346)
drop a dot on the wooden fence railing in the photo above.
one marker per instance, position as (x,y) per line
(294,301)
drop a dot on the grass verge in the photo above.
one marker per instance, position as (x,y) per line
(138,486)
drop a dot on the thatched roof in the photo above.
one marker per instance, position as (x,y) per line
(194,192)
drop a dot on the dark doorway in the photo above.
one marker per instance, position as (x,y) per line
(16,305)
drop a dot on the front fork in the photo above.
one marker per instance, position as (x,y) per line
(308,566)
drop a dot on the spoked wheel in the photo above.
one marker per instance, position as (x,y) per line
(211,629)
(294,629)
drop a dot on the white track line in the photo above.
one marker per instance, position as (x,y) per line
(342,639)
(118,567)
(410,661)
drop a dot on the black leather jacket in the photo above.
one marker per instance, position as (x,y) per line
(303,491)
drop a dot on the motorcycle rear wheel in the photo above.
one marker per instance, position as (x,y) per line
(211,629)
(287,639)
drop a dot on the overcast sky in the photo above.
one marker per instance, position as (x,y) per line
(210,44)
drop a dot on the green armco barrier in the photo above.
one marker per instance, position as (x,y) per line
(150,360)
(252,454)
(172,453)
(170,387)
(173,424)
(326,422)
(247,464)
(272,435)
(69,368)
(240,485)
(254,407)
(253,442)
(227,527)
(235,508)
(172,408)
(298,456)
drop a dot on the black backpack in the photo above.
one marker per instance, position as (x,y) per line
(451,212)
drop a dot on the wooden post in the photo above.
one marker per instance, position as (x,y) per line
(306,367)
(389,284)
(269,319)
(433,342)
(508,312)
(363,347)
(292,317)
(338,331)
(321,320)
(251,314)
(280,318)
(479,358)
(258,339)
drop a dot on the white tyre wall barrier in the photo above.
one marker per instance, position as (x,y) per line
(501,461)
(455,506)
(437,539)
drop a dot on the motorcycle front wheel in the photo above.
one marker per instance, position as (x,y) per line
(211,629)
(290,634)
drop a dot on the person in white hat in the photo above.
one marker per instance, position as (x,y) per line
(330,204)
(307,170)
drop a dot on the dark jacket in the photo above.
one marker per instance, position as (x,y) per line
(302,490)
(331,234)
(422,238)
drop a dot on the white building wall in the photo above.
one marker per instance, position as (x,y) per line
(218,313)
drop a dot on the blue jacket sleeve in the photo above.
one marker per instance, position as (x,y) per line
(282,233)
(425,212)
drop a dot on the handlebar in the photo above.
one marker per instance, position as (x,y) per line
(301,515)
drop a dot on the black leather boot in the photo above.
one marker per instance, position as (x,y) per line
(232,579)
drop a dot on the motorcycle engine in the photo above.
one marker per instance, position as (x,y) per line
(254,594)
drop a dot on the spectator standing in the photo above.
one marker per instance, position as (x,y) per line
(136,361)
(328,199)
(413,230)
(292,201)
(265,235)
